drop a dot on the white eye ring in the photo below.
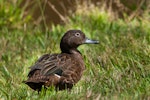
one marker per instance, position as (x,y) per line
(77,34)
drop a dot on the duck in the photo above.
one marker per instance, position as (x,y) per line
(62,70)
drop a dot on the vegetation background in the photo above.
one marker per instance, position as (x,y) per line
(117,68)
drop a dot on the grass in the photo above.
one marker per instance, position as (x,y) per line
(117,68)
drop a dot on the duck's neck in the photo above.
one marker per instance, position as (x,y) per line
(71,51)
(75,51)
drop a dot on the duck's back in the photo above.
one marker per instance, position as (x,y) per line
(59,70)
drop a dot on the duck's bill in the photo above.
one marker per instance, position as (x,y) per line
(89,41)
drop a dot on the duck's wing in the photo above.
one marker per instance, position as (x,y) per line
(50,64)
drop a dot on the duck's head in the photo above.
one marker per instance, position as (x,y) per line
(72,39)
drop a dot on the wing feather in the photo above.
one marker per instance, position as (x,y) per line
(49,64)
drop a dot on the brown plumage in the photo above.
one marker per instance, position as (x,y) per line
(60,70)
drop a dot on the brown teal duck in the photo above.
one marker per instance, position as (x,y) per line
(60,70)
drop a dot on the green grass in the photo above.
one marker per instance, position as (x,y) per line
(117,68)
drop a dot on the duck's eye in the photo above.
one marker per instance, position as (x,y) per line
(77,34)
